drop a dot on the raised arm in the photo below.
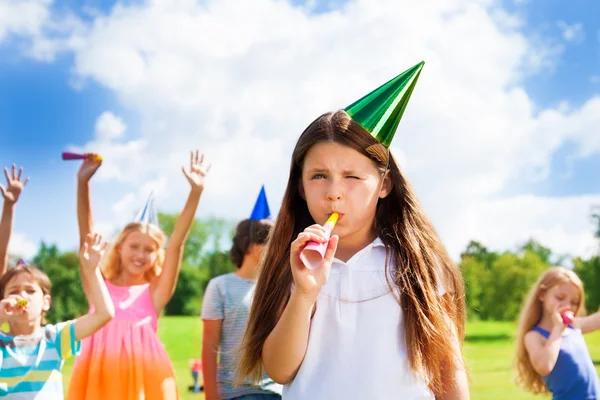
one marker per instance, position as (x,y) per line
(11,194)
(97,294)
(163,286)
(589,323)
(84,207)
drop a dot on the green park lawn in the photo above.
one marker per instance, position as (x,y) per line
(488,352)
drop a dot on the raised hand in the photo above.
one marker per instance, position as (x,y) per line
(92,251)
(14,185)
(198,171)
(89,167)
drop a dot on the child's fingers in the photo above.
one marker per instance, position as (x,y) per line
(317,226)
(331,247)
(3,190)
(20,173)
(26,180)
(300,242)
(14,172)
(6,175)
(84,249)
(201,158)
(316,230)
(185,172)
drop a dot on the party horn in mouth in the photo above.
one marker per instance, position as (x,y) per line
(67,155)
(313,253)
(22,303)
(567,317)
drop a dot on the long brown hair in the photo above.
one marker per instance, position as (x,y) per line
(402,225)
(531,314)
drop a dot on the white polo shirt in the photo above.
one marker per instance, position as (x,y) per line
(356,347)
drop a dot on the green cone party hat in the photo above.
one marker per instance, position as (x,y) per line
(380,111)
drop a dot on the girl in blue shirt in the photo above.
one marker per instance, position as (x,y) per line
(552,355)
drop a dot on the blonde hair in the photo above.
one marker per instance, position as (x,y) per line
(111,265)
(531,315)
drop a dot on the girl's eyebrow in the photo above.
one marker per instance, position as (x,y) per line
(313,170)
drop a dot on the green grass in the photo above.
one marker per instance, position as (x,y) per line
(489,352)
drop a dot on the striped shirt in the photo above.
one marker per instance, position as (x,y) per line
(30,365)
(228,298)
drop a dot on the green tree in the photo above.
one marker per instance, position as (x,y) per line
(203,259)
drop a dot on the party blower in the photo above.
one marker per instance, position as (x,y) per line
(313,253)
(567,317)
(67,155)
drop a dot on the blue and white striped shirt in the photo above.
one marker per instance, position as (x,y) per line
(30,366)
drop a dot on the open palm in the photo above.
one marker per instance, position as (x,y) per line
(14,186)
(92,251)
(198,171)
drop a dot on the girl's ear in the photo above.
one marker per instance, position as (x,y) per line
(386,186)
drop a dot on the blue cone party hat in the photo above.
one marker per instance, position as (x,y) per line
(261,207)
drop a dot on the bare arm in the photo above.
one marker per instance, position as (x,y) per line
(11,194)
(455,376)
(85,219)
(285,347)
(6,225)
(164,285)
(211,338)
(543,353)
(97,293)
(589,323)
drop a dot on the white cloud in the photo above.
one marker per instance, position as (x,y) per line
(109,126)
(21,246)
(23,17)
(241,80)
(571,32)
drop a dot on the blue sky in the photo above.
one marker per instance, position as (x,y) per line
(41,112)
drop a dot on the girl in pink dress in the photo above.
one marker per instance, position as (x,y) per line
(126,360)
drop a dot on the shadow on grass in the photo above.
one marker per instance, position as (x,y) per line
(487,338)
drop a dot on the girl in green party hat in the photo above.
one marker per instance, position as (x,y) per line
(383,315)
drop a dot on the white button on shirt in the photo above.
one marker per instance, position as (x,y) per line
(356,348)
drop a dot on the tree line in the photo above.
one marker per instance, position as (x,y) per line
(496,283)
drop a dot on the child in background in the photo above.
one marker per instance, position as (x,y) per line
(552,356)
(126,359)
(32,352)
(225,309)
